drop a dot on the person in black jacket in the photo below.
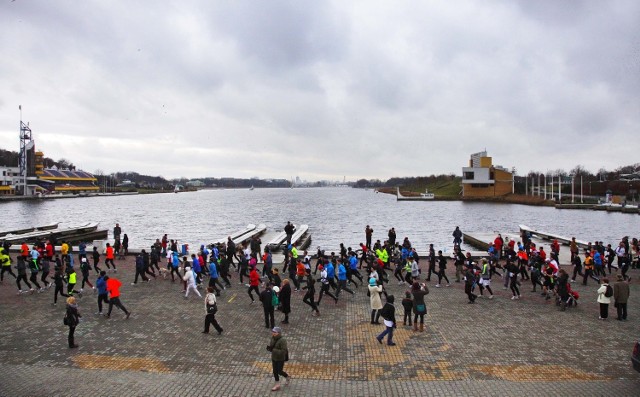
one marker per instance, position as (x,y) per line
(73,319)
(309,297)
(388,313)
(285,300)
(266,297)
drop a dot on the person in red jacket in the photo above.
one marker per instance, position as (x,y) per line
(113,288)
(497,244)
(110,254)
(254,281)
(49,251)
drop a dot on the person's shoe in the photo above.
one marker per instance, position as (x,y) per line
(284,322)
(220,332)
(391,344)
(128,315)
(276,387)
(133,284)
(73,347)
(287,380)
(379,340)
(490,296)
(252,302)
(448,285)
(205,332)
(437,285)
(19,291)
(513,298)
(81,290)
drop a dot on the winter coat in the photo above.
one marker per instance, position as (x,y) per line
(621,292)
(376,302)
(285,298)
(601,297)
(278,346)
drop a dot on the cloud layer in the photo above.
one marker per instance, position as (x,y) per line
(322,89)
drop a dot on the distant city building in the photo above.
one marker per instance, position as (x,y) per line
(195,183)
(483,179)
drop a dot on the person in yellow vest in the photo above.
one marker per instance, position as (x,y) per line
(71,281)
(64,249)
(5,260)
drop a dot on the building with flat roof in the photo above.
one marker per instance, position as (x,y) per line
(482,179)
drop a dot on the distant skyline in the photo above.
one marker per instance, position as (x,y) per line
(322,90)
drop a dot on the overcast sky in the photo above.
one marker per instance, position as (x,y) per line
(322,89)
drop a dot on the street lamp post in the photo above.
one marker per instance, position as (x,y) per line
(573,177)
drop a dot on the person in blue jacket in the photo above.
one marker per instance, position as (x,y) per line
(213,276)
(342,279)
(331,275)
(197,269)
(103,296)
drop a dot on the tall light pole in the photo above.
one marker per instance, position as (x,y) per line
(573,177)
(559,188)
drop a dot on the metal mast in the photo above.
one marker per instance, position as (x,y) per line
(25,140)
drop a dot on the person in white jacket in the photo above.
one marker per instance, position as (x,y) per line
(190,278)
(603,299)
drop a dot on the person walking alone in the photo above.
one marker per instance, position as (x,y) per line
(72,318)
(388,313)
(210,309)
(266,297)
(279,354)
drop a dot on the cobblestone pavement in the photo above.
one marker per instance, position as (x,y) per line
(494,347)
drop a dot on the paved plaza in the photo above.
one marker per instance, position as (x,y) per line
(495,347)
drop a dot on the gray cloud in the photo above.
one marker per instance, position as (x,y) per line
(321,89)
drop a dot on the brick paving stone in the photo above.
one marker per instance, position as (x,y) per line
(495,347)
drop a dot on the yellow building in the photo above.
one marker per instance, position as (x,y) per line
(482,179)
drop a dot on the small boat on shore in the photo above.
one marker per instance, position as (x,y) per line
(58,233)
(549,236)
(29,229)
(426,196)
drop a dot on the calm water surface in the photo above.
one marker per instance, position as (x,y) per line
(334,215)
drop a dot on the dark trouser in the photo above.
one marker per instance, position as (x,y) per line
(149,270)
(296,281)
(577,270)
(253,288)
(23,278)
(34,279)
(397,273)
(6,269)
(342,285)
(604,310)
(375,316)
(309,300)
(469,291)
(109,261)
(278,369)
(355,272)
(213,282)
(325,290)
(589,273)
(442,275)
(415,318)
(407,317)
(211,319)
(59,290)
(72,329)
(116,302)
(432,270)
(621,308)
(624,269)
(225,278)
(269,320)
(85,279)
(243,274)
(43,278)
(141,274)
(514,285)
(95,266)
(387,331)
(102,298)
(177,272)
(70,289)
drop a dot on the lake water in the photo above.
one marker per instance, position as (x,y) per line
(334,215)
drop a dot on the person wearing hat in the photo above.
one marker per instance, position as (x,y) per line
(388,313)
(84,269)
(374,299)
(279,354)
(621,296)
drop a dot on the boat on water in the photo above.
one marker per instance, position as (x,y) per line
(251,188)
(426,196)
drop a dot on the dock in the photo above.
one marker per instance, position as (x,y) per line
(481,240)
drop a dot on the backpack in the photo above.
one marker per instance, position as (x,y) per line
(609,292)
